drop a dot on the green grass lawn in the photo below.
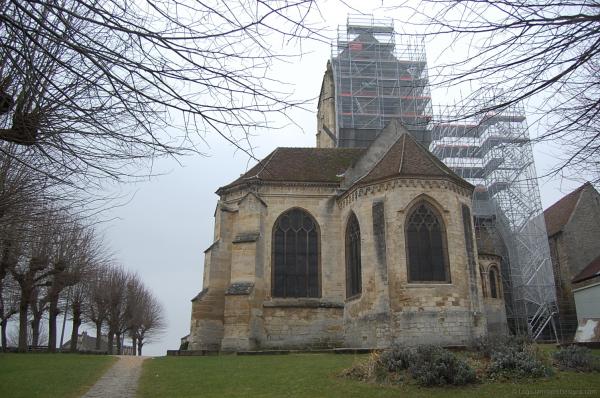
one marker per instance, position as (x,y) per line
(50,375)
(314,375)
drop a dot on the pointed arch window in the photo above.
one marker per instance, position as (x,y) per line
(296,255)
(427,255)
(353,265)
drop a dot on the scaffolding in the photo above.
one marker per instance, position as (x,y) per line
(378,76)
(493,151)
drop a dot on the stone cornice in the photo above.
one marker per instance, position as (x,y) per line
(398,182)
(489,257)
(265,188)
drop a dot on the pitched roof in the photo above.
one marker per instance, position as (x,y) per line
(558,215)
(592,270)
(323,165)
(406,157)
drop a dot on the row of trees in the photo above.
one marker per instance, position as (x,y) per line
(52,263)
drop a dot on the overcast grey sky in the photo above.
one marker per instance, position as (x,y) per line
(162,232)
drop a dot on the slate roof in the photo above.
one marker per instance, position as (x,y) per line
(406,157)
(592,270)
(558,215)
(322,165)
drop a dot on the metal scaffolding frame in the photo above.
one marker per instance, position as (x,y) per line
(493,151)
(378,76)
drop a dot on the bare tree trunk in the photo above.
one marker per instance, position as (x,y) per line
(35,329)
(3,326)
(52,315)
(23,308)
(111,336)
(76,325)
(140,344)
(98,335)
(134,344)
(118,335)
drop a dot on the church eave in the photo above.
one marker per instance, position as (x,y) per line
(256,182)
(461,184)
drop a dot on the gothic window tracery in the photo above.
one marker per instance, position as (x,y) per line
(427,255)
(353,258)
(296,255)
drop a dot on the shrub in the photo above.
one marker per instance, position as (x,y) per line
(435,366)
(366,370)
(487,346)
(576,358)
(428,365)
(397,358)
(517,361)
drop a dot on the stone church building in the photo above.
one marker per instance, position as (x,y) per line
(346,247)
(573,236)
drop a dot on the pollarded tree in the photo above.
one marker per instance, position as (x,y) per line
(151,321)
(30,265)
(38,306)
(116,310)
(96,310)
(78,297)
(93,87)
(9,304)
(137,295)
(74,250)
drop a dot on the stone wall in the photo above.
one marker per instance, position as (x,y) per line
(392,310)
(238,306)
(206,329)
(293,324)
(326,121)
(567,314)
(581,235)
(494,308)
(571,250)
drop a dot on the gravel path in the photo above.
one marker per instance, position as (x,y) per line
(121,380)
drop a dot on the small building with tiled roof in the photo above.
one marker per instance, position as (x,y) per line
(573,226)
(345,247)
(590,274)
(586,294)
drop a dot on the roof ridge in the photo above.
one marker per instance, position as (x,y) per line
(402,153)
(570,194)
(266,161)
(377,163)
(436,162)
(591,270)
(560,212)
(269,160)
(318,148)
(401,162)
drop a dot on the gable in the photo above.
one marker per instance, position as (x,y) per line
(396,153)
(559,214)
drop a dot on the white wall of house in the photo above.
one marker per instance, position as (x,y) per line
(587,300)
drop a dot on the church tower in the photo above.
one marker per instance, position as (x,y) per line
(374,76)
